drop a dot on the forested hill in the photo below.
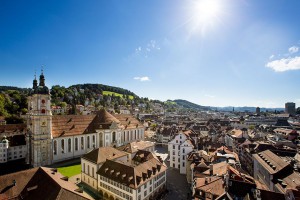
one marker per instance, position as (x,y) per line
(99,88)
(190,105)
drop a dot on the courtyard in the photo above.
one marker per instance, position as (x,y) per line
(176,183)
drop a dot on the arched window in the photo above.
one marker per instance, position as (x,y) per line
(55,147)
(82,143)
(124,136)
(69,145)
(76,144)
(43,101)
(62,146)
(88,142)
(114,137)
(43,111)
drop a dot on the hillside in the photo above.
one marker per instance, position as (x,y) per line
(189,105)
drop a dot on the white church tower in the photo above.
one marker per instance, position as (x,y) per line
(39,125)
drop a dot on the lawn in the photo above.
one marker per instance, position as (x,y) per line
(70,170)
(116,94)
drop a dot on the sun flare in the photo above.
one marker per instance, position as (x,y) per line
(205,14)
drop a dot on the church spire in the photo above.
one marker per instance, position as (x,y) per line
(42,78)
(35,83)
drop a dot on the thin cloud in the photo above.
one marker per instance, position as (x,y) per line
(142,79)
(293,49)
(271,57)
(285,64)
(145,50)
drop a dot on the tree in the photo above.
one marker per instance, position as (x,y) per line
(3,111)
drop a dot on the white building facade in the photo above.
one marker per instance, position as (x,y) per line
(178,148)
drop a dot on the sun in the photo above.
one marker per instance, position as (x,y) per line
(205,14)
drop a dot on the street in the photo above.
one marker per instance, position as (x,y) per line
(176,182)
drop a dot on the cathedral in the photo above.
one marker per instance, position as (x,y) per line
(46,138)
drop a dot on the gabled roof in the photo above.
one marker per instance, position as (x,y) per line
(66,125)
(101,154)
(38,183)
(218,169)
(270,161)
(128,121)
(215,187)
(144,166)
(133,147)
(12,128)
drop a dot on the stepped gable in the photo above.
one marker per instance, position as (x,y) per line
(100,155)
(128,121)
(67,125)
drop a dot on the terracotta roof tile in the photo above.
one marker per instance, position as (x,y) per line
(101,154)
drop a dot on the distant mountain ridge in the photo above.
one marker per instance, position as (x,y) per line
(190,105)
(245,109)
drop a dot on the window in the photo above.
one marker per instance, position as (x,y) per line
(93,172)
(76,144)
(183,164)
(176,141)
(55,147)
(94,139)
(150,189)
(88,142)
(114,137)
(135,137)
(173,164)
(43,111)
(173,146)
(145,185)
(182,157)
(69,145)
(82,143)
(183,150)
(145,193)
(83,169)
(88,170)
(62,146)
(178,165)
(139,190)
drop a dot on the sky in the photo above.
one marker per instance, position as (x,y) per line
(210,52)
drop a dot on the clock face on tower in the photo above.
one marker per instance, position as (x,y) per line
(44,123)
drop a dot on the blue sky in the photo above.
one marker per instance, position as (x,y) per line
(211,52)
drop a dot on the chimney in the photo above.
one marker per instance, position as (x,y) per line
(206,180)
(211,169)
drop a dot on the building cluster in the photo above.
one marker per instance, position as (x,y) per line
(224,155)
(233,155)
